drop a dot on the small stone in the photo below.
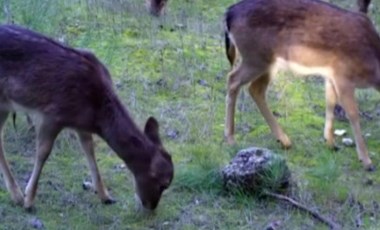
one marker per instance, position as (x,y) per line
(62,39)
(202,218)
(172,133)
(202,82)
(348,142)
(340,132)
(180,26)
(87,185)
(366,115)
(36,223)
(367,135)
(118,85)
(274,225)
(244,128)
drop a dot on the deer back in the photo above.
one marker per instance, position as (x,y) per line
(41,75)
(310,37)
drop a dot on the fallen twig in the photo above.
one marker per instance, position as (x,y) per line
(302,207)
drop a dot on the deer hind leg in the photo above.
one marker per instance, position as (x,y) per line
(87,144)
(46,134)
(236,78)
(346,96)
(10,182)
(331,99)
(257,90)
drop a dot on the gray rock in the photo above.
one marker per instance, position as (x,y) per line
(87,186)
(36,223)
(348,142)
(172,133)
(254,170)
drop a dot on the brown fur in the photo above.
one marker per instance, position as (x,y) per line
(62,88)
(310,37)
(231,51)
(156,7)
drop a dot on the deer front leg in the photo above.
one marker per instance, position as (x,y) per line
(347,99)
(330,105)
(10,182)
(87,144)
(257,91)
(242,74)
(233,87)
(46,134)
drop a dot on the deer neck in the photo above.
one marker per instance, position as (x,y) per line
(120,132)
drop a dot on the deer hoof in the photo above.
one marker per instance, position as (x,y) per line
(330,143)
(334,147)
(285,142)
(370,168)
(109,201)
(18,199)
(30,209)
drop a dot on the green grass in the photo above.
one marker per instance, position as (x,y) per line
(157,65)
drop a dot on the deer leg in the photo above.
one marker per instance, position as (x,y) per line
(257,90)
(236,78)
(347,99)
(10,182)
(363,5)
(330,104)
(46,134)
(233,88)
(87,144)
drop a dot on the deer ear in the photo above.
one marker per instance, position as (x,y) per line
(151,130)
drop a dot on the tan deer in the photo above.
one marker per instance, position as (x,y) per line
(156,7)
(62,88)
(307,37)
(230,49)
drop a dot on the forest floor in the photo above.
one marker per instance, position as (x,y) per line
(174,68)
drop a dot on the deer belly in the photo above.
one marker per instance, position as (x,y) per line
(301,69)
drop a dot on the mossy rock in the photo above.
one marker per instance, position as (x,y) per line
(255,170)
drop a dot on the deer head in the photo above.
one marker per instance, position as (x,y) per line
(152,181)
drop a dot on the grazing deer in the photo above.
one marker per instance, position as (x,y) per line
(156,7)
(308,37)
(62,88)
